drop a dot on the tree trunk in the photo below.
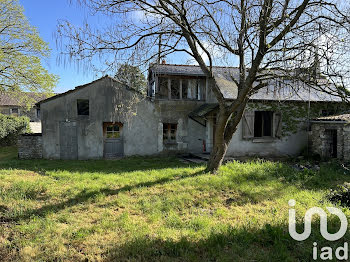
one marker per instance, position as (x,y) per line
(216,158)
(220,146)
(224,130)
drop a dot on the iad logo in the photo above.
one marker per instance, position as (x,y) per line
(326,252)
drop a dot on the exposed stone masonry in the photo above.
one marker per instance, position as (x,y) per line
(30,146)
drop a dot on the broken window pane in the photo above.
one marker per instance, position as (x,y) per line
(169,132)
(175,89)
(83,107)
(192,89)
(162,88)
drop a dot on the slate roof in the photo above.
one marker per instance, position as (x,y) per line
(341,117)
(286,90)
(7,99)
(86,85)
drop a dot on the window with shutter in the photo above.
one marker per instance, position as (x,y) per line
(248,124)
(277,124)
(260,124)
(263,124)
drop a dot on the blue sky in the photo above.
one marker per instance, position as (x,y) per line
(44,15)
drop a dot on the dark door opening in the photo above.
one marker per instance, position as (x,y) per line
(263,123)
(331,143)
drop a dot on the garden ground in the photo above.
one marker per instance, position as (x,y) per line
(158,209)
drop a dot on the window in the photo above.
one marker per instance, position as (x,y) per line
(162,87)
(38,112)
(83,107)
(175,89)
(113,131)
(169,133)
(184,88)
(327,112)
(263,123)
(14,111)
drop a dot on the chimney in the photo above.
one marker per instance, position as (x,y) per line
(163,62)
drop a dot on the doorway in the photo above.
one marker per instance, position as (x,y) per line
(68,140)
(113,141)
(331,141)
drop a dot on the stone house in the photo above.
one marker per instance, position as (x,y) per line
(10,105)
(331,136)
(106,119)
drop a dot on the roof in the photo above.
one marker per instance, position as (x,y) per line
(293,90)
(340,117)
(83,86)
(203,110)
(13,99)
(281,90)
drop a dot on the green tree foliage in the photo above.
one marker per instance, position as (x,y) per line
(21,52)
(132,77)
(11,127)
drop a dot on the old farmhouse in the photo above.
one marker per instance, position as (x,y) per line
(106,119)
(11,105)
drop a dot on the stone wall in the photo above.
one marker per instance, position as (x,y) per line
(319,138)
(30,146)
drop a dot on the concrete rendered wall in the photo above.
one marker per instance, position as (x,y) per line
(286,146)
(189,133)
(108,103)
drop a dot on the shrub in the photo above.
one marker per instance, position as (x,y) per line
(341,195)
(11,127)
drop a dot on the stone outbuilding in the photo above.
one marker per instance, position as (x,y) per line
(330,136)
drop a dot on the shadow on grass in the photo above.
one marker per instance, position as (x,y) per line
(129,164)
(269,243)
(85,196)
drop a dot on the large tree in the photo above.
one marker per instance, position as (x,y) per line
(132,76)
(267,38)
(21,52)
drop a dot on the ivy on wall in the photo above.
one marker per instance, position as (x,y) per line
(295,115)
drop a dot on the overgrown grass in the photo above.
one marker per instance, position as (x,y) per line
(157,209)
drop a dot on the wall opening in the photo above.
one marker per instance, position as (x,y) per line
(83,107)
(331,141)
(263,123)
(113,142)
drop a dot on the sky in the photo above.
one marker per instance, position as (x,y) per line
(44,14)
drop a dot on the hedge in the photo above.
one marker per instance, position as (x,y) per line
(11,127)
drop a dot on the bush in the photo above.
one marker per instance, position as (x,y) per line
(341,195)
(11,127)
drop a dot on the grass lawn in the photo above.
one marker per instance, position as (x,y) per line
(157,209)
